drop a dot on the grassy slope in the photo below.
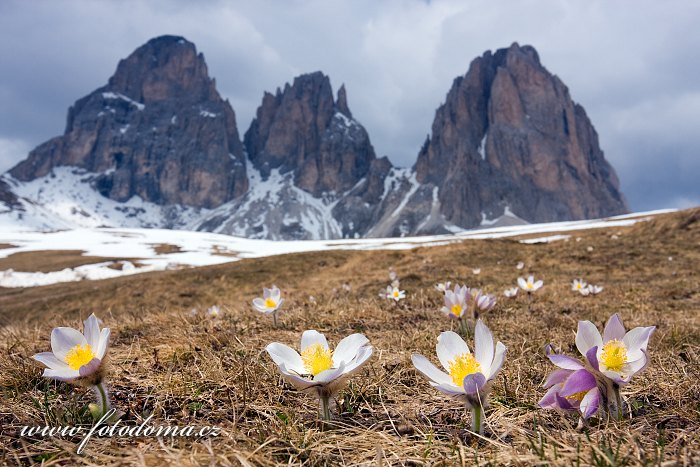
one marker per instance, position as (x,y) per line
(203,371)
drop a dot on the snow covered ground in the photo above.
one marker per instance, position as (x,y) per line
(204,248)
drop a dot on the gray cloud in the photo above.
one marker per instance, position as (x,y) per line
(634,67)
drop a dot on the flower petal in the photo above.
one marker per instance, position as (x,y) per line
(90,367)
(483,346)
(283,354)
(590,403)
(557,377)
(296,380)
(565,362)
(474,383)
(259,304)
(329,375)
(550,399)
(311,337)
(347,348)
(430,371)
(498,359)
(50,360)
(614,329)
(522,283)
(64,339)
(103,343)
(449,389)
(578,381)
(616,377)
(91,330)
(587,336)
(592,357)
(61,374)
(449,346)
(637,340)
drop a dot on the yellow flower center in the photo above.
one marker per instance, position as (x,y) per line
(396,294)
(270,303)
(463,365)
(456,309)
(579,286)
(614,355)
(317,358)
(79,356)
(577,396)
(529,285)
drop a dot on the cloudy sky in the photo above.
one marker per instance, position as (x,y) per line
(634,66)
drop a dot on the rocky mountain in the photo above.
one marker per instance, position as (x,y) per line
(158,147)
(158,130)
(509,139)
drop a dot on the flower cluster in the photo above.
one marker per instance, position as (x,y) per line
(610,361)
(393,291)
(585,289)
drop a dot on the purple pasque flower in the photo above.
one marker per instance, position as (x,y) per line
(456,301)
(571,388)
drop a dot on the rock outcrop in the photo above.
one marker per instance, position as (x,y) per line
(158,147)
(158,130)
(510,139)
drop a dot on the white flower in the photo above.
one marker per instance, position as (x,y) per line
(317,367)
(589,248)
(617,355)
(393,293)
(520,265)
(442,286)
(213,311)
(74,355)
(395,284)
(270,301)
(484,302)
(586,291)
(456,302)
(529,285)
(392,275)
(578,284)
(467,376)
(476,271)
(594,289)
(511,293)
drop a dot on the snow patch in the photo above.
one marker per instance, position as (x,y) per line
(116,95)
(482,147)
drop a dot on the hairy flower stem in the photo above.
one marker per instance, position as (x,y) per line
(274,319)
(529,302)
(464,326)
(615,402)
(325,409)
(477,419)
(102,398)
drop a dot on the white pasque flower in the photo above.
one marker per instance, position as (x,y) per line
(529,285)
(476,271)
(520,265)
(442,286)
(456,302)
(270,301)
(617,355)
(578,285)
(511,293)
(74,355)
(318,368)
(393,293)
(468,376)
(484,301)
(594,289)
(213,311)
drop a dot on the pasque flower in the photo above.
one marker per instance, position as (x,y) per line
(270,302)
(318,369)
(79,358)
(511,293)
(529,285)
(393,293)
(611,360)
(594,289)
(442,286)
(456,302)
(578,285)
(484,301)
(467,377)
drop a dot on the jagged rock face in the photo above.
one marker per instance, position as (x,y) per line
(159,130)
(304,131)
(509,136)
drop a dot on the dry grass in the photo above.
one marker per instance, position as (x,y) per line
(166,248)
(49,261)
(193,370)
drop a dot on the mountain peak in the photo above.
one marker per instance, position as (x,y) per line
(165,67)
